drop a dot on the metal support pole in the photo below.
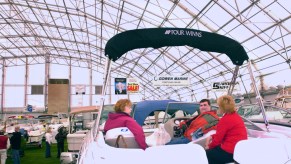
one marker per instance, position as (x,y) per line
(3,87)
(26,82)
(46,80)
(70,96)
(233,80)
(70,86)
(110,88)
(90,84)
(207,94)
(106,77)
(258,96)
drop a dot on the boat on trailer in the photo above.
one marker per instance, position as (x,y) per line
(95,148)
(76,133)
(283,98)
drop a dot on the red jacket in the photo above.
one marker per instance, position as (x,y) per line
(120,119)
(207,121)
(3,142)
(230,130)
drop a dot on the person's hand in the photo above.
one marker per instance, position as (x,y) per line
(183,127)
(206,147)
(208,141)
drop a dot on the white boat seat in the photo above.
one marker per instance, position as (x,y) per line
(168,154)
(263,150)
(75,141)
(126,138)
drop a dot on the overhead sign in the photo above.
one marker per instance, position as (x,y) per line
(171,81)
(80,89)
(29,108)
(224,86)
(132,85)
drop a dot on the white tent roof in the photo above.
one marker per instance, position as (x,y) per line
(76,31)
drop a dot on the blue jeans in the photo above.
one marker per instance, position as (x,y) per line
(60,146)
(47,150)
(180,140)
(15,156)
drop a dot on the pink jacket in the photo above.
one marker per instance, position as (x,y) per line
(121,119)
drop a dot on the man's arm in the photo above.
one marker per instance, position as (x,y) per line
(187,123)
(8,143)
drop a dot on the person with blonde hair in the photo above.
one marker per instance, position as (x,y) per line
(48,142)
(230,130)
(121,118)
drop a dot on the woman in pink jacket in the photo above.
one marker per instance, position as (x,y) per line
(121,118)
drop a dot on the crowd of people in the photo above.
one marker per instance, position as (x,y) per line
(14,142)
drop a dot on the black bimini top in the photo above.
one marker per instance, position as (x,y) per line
(161,37)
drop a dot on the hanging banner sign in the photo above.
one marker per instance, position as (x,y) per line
(120,86)
(132,85)
(29,108)
(224,86)
(80,89)
(171,81)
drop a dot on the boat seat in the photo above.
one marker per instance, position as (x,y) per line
(121,137)
(263,150)
(75,141)
(176,154)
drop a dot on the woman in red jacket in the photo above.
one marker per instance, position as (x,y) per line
(121,118)
(230,130)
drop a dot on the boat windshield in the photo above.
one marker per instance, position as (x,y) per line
(183,109)
(106,109)
(274,114)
